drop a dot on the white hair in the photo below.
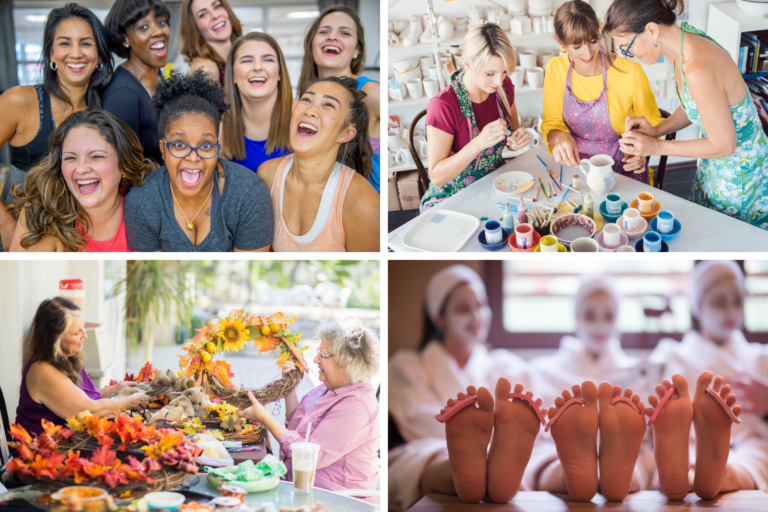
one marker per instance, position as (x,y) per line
(355,347)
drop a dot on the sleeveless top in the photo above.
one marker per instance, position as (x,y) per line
(374,178)
(118,243)
(256,154)
(22,157)
(29,413)
(331,237)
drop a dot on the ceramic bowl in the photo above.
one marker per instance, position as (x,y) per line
(635,233)
(647,216)
(534,245)
(86,494)
(639,246)
(560,248)
(494,247)
(609,217)
(756,7)
(667,236)
(164,500)
(572,219)
(623,240)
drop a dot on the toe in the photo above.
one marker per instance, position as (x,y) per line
(640,405)
(703,382)
(725,391)
(559,402)
(681,386)
(484,400)
(736,410)
(539,402)
(529,394)
(661,390)
(589,393)
(730,400)
(503,387)
(442,411)
(576,391)
(451,402)
(519,388)
(566,395)
(461,396)
(717,384)
(635,399)
(628,392)
(471,390)
(605,392)
(551,412)
(648,411)
(653,401)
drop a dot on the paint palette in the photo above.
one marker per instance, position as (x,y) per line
(513,182)
(440,230)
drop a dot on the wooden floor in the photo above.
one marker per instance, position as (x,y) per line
(644,501)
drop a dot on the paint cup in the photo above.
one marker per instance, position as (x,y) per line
(585,244)
(576,183)
(612,201)
(518,77)
(528,59)
(431,86)
(535,76)
(651,242)
(493,233)
(524,235)
(415,88)
(645,202)
(665,221)
(631,219)
(611,235)
(548,244)
(626,248)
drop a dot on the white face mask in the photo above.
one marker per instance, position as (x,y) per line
(472,326)
(722,311)
(595,327)
(596,335)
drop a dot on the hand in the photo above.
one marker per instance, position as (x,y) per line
(126,384)
(256,412)
(519,139)
(637,144)
(566,151)
(288,367)
(639,124)
(634,163)
(751,391)
(137,399)
(493,133)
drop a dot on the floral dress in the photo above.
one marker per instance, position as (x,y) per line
(487,160)
(736,185)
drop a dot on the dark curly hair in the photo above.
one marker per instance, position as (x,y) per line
(356,154)
(123,16)
(188,94)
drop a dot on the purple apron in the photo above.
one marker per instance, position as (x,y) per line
(590,125)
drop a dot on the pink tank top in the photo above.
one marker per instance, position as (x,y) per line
(119,243)
(331,238)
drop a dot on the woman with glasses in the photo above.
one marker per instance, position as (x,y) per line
(342,411)
(732,177)
(589,93)
(196,202)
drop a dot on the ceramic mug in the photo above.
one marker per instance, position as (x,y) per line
(612,201)
(460,23)
(423,148)
(432,68)
(415,88)
(399,93)
(535,77)
(626,248)
(526,122)
(454,49)
(645,202)
(404,157)
(544,57)
(431,86)
(631,219)
(524,235)
(665,221)
(393,138)
(527,59)
(651,242)
(493,233)
(585,244)
(391,159)
(549,244)
(425,62)
(518,77)
(538,25)
(611,236)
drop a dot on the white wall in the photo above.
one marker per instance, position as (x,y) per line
(24,285)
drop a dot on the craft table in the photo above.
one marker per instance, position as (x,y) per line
(643,501)
(702,229)
(254,456)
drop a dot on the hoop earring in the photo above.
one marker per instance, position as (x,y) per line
(99,66)
(54,67)
(123,176)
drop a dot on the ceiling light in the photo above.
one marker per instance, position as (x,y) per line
(35,18)
(302,14)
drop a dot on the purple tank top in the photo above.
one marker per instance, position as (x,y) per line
(29,413)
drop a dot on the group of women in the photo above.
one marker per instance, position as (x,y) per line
(247,167)
(454,355)
(596,102)
(342,411)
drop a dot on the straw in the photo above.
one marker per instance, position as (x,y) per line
(309,427)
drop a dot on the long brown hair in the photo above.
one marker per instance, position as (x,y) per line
(624,16)
(309,68)
(576,23)
(193,45)
(42,341)
(50,207)
(234,126)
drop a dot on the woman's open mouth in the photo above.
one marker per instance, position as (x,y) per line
(306,130)
(190,177)
(258,81)
(219,26)
(159,48)
(87,186)
(76,67)
(331,50)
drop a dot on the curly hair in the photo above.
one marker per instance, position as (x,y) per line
(357,153)
(124,15)
(355,347)
(49,206)
(188,94)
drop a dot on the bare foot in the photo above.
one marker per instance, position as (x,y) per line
(713,435)
(514,432)
(575,435)
(468,434)
(622,428)
(671,429)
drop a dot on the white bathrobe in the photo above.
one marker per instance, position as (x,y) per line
(695,354)
(420,383)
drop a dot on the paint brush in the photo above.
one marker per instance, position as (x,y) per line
(571,188)
(549,171)
(561,173)
(542,188)
(554,180)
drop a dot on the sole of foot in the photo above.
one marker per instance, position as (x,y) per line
(575,435)
(671,429)
(713,435)
(622,428)
(468,434)
(514,432)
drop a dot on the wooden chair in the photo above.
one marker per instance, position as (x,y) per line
(658,176)
(423,174)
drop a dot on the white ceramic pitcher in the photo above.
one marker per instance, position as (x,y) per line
(600,176)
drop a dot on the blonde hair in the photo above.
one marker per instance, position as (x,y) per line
(355,347)
(486,41)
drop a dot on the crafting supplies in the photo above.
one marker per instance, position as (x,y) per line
(508,220)
(588,206)
(571,188)
(561,173)
(576,183)
(545,190)
(522,213)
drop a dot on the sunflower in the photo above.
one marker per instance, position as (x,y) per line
(233,334)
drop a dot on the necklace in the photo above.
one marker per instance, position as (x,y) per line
(190,225)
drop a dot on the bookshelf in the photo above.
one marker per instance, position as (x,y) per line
(725,24)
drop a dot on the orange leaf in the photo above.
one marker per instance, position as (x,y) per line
(18,432)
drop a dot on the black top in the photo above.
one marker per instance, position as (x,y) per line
(127,98)
(23,157)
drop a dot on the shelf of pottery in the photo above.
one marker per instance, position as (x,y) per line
(413,73)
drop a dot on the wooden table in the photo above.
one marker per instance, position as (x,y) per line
(643,501)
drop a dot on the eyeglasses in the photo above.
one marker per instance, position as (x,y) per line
(626,52)
(180,150)
(323,356)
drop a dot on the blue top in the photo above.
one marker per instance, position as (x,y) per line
(256,154)
(374,177)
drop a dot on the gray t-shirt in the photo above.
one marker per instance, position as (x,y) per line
(243,219)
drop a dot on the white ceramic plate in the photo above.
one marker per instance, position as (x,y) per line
(509,180)
(441,230)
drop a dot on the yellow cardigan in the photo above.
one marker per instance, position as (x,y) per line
(629,93)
